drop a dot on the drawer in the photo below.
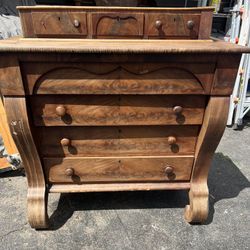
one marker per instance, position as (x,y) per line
(175,26)
(59,24)
(127,169)
(116,25)
(118,110)
(117,141)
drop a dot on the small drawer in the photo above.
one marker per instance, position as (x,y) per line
(175,26)
(59,24)
(117,25)
(127,169)
(117,141)
(119,110)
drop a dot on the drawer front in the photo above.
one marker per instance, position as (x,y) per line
(185,26)
(115,25)
(59,24)
(186,76)
(94,170)
(117,110)
(117,141)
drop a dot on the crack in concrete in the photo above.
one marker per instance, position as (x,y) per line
(13,231)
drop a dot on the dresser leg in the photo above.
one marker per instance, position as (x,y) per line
(197,211)
(37,208)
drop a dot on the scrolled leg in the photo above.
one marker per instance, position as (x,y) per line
(197,211)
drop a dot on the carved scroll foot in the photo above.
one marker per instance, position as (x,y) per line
(197,211)
(37,208)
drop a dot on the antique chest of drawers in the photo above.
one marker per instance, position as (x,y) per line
(91,114)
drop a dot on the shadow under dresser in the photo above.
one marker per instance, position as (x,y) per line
(117,99)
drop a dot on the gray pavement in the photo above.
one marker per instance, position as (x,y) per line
(139,220)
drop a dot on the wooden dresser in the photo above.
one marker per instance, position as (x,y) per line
(90,112)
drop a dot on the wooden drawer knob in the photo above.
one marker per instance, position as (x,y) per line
(76,23)
(65,142)
(169,170)
(69,172)
(177,110)
(190,24)
(61,110)
(171,140)
(158,24)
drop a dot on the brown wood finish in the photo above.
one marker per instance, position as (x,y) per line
(115,22)
(117,110)
(127,78)
(37,193)
(63,24)
(129,169)
(211,132)
(116,115)
(117,141)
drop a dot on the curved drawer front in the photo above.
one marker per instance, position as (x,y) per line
(117,141)
(139,169)
(117,110)
(115,25)
(60,24)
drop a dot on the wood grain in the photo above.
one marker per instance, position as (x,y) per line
(59,24)
(115,78)
(10,76)
(174,26)
(117,110)
(37,194)
(211,132)
(108,46)
(129,169)
(117,25)
(117,141)
(111,187)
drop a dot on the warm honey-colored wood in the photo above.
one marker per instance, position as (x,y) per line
(211,132)
(117,141)
(18,120)
(110,187)
(5,134)
(117,110)
(119,169)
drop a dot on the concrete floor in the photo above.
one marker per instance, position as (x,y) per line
(139,220)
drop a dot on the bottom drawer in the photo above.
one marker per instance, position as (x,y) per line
(120,169)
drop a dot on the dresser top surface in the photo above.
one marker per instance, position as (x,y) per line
(63,8)
(119,46)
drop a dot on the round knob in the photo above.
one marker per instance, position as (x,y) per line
(60,110)
(65,142)
(169,170)
(171,140)
(190,24)
(158,24)
(69,171)
(177,109)
(76,23)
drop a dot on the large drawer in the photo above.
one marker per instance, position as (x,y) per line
(60,24)
(127,169)
(117,110)
(117,141)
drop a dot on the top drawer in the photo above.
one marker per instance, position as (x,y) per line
(115,22)
(162,25)
(60,24)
